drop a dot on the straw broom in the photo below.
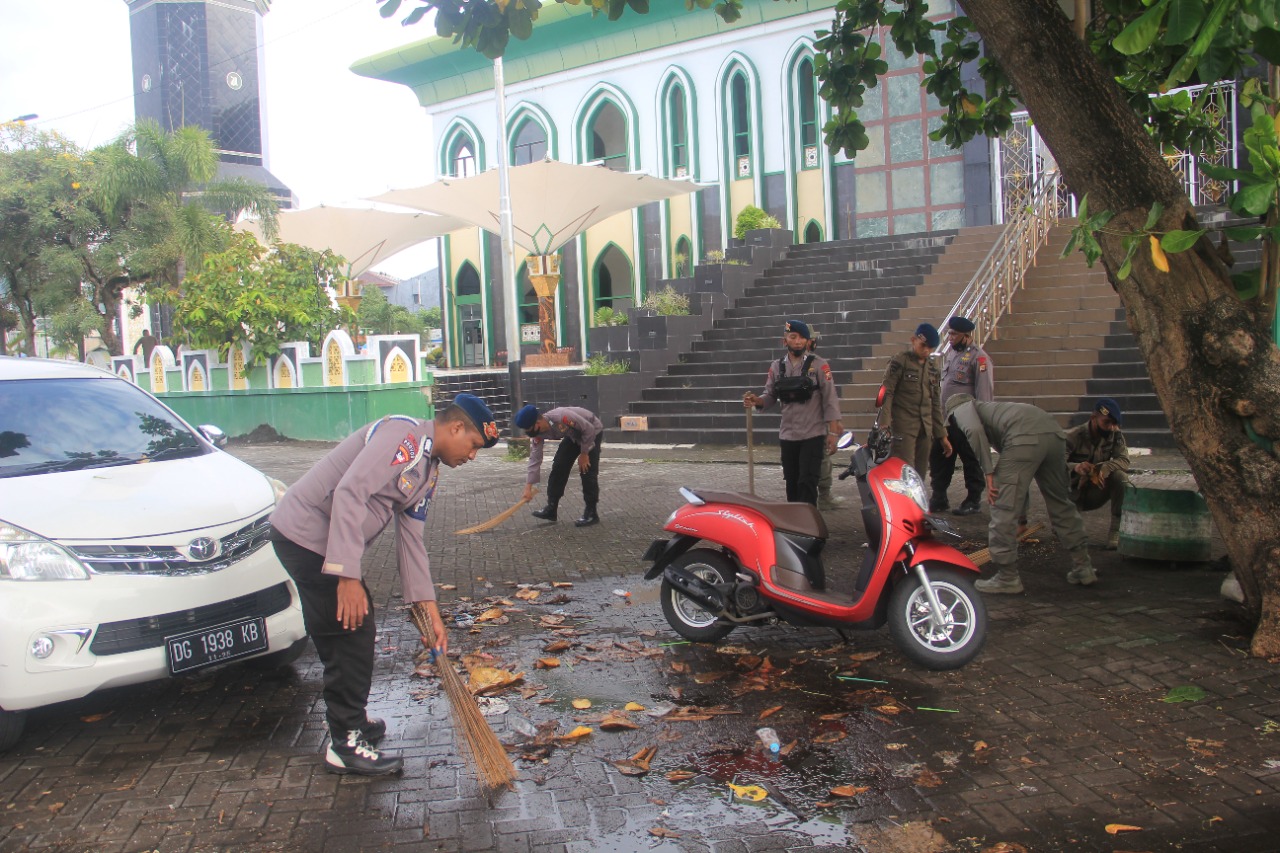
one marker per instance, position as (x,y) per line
(497,519)
(487,755)
(981,558)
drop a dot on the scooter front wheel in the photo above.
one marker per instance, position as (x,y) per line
(689,619)
(964,619)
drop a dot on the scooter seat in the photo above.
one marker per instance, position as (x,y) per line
(799,518)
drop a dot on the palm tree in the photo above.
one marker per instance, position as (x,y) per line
(161,199)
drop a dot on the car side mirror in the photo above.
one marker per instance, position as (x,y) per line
(213,435)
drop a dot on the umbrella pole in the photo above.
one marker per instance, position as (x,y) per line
(751,454)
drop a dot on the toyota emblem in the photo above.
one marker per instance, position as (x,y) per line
(202,549)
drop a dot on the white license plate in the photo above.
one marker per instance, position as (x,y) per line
(207,646)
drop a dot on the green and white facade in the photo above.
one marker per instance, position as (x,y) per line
(676,93)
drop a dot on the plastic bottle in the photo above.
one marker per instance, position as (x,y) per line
(769,738)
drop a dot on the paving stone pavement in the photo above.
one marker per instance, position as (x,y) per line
(1058,729)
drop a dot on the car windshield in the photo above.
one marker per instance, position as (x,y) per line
(49,425)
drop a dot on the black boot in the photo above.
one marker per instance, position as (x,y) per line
(548,512)
(970,506)
(589,517)
(939,503)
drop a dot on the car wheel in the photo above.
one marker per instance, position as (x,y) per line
(11,724)
(282,658)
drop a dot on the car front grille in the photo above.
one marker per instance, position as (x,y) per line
(170,562)
(130,635)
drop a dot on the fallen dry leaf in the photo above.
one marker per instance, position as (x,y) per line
(663,833)
(708,677)
(927,779)
(490,614)
(487,679)
(769,712)
(528,594)
(581,704)
(633,706)
(864,656)
(551,621)
(95,718)
(557,646)
(1005,847)
(614,721)
(830,737)
(980,745)
(448,586)
(786,750)
(546,663)
(679,666)
(1117,828)
(748,792)
(576,734)
(849,790)
(679,775)
(561,585)
(837,716)
(638,764)
(889,708)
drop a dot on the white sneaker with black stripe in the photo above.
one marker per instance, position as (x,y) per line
(356,755)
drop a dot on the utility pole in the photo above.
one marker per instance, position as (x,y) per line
(511,289)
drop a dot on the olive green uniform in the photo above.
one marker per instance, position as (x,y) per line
(1109,454)
(1032,447)
(912,409)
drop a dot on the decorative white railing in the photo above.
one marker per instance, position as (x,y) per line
(987,296)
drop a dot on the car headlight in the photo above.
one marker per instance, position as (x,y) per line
(25,556)
(910,485)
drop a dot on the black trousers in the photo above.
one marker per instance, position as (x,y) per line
(347,655)
(566,459)
(942,468)
(802,467)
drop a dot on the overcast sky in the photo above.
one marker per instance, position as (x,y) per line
(332,137)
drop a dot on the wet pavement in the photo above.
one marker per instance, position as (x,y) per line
(1058,734)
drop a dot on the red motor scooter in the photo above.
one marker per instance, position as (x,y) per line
(761,561)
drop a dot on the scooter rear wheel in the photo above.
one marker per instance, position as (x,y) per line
(959,640)
(689,619)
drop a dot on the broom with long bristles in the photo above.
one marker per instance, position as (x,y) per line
(488,756)
(981,558)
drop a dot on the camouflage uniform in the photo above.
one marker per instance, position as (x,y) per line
(1109,454)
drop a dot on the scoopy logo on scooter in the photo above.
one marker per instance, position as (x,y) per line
(741,519)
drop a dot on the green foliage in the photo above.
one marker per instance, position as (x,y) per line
(265,297)
(606,316)
(517,450)
(667,302)
(1159,244)
(431,318)
(680,261)
(435,355)
(752,218)
(600,365)
(69,326)
(378,316)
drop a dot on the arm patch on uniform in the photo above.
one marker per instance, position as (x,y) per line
(826,372)
(404,451)
(418,511)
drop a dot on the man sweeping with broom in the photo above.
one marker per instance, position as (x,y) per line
(320,530)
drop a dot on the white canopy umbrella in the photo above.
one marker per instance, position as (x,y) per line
(551,201)
(361,235)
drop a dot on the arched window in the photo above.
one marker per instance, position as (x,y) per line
(462,157)
(682,264)
(807,114)
(677,131)
(740,115)
(467,280)
(813,232)
(608,134)
(528,296)
(529,144)
(612,278)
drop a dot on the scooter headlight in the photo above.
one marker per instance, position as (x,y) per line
(910,485)
(25,556)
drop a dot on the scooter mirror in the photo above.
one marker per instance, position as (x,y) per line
(844,441)
(880,397)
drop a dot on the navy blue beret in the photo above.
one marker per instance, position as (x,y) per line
(480,415)
(1110,408)
(929,333)
(526,417)
(960,324)
(800,327)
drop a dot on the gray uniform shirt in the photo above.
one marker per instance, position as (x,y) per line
(810,418)
(1002,425)
(968,372)
(382,471)
(579,425)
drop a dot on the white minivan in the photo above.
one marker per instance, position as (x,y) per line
(131,547)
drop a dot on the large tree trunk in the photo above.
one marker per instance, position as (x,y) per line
(1210,357)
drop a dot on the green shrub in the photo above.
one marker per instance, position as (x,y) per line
(434,355)
(681,264)
(608,317)
(752,218)
(667,302)
(600,365)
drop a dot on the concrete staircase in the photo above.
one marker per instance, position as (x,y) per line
(851,291)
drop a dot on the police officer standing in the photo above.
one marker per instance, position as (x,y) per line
(1098,462)
(580,433)
(912,406)
(966,369)
(801,383)
(320,531)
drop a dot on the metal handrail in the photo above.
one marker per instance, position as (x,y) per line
(986,297)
